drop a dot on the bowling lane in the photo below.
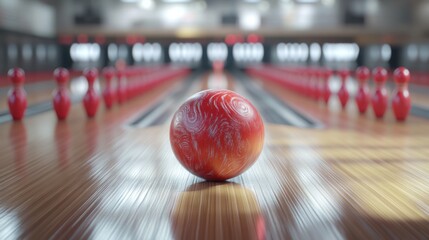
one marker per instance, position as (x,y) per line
(36,93)
(101,178)
(334,116)
(39,88)
(46,181)
(40,94)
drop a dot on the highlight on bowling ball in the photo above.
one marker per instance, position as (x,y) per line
(217,134)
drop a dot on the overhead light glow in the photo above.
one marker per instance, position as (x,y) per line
(340,51)
(85,52)
(187,32)
(315,52)
(129,1)
(386,52)
(173,15)
(248,52)
(217,52)
(112,52)
(185,52)
(147,4)
(250,20)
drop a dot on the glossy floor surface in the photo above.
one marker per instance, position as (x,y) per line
(339,175)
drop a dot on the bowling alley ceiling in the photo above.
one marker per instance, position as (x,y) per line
(367,20)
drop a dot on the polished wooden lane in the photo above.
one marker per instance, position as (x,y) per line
(40,90)
(36,93)
(38,85)
(105,179)
(333,115)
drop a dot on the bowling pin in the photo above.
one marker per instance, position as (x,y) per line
(380,98)
(17,97)
(61,100)
(108,93)
(326,90)
(362,95)
(401,101)
(343,93)
(91,99)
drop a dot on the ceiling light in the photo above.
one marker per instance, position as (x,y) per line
(147,4)
(250,20)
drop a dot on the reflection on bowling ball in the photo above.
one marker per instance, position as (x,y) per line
(211,210)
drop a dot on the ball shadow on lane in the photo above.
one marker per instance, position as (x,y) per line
(217,210)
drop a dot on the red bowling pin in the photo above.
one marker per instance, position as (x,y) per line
(380,98)
(362,95)
(91,99)
(326,90)
(61,99)
(108,93)
(17,97)
(343,93)
(401,101)
(121,87)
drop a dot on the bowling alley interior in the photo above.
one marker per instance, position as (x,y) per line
(214,119)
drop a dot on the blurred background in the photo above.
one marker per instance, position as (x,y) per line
(39,35)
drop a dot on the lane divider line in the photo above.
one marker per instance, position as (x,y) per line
(273,109)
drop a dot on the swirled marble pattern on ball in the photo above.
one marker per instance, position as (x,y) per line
(217,134)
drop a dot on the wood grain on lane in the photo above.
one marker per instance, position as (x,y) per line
(100,179)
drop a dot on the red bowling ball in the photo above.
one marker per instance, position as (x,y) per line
(217,134)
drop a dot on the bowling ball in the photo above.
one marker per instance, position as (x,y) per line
(217,134)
